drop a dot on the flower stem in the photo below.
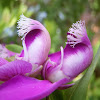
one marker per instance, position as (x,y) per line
(47,98)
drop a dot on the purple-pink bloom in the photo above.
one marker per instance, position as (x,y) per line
(61,67)
(73,59)
(36,44)
(35,39)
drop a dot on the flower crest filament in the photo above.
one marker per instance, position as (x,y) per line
(75,33)
(24,25)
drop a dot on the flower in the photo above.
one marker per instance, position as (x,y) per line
(73,59)
(35,39)
(61,67)
(15,74)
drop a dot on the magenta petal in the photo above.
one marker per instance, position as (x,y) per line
(55,57)
(36,47)
(77,59)
(3,61)
(13,68)
(36,40)
(23,88)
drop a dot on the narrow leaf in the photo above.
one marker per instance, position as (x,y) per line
(57,95)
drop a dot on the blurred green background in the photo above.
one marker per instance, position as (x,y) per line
(57,16)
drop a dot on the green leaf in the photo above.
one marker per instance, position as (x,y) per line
(79,91)
(14,48)
(57,95)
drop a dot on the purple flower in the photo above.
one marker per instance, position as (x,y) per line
(73,59)
(61,67)
(35,39)
(19,86)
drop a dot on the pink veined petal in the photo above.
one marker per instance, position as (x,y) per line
(11,69)
(26,88)
(76,59)
(36,47)
(3,61)
(78,52)
(36,40)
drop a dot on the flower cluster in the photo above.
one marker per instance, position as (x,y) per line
(57,69)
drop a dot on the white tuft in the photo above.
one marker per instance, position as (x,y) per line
(24,26)
(76,32)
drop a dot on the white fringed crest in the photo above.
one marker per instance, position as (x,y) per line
(24,25)
(76,32)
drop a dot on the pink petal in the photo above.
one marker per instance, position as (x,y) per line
(3,61)
(23,88)
(36,40)
(55,57)
(77,59)
(11,69)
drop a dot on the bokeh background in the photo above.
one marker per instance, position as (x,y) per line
(57,16)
